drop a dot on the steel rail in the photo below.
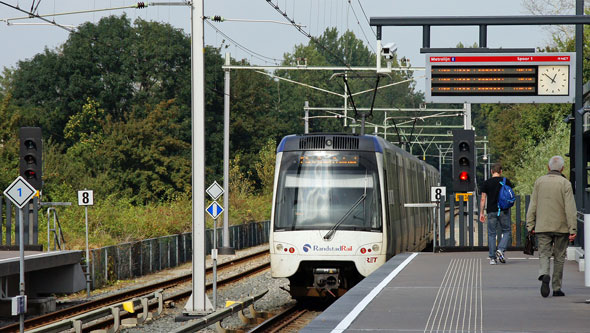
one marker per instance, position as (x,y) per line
(183,294)
(72,311)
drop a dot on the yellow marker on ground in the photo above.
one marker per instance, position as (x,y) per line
(128,306)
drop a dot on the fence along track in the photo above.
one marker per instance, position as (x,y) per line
(136,292)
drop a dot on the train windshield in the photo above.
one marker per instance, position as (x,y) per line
(317,189)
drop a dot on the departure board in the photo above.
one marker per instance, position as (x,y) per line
(500,78)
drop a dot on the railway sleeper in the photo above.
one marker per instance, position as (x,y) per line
(257,317)
(115,311)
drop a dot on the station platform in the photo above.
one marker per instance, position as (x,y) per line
(458,292)
(46,273)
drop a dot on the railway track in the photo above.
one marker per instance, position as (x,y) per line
(292,319)
(106,301)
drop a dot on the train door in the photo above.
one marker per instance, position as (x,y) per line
(393,223)
(401,179)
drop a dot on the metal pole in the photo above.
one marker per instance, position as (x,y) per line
(439,165)
(579,183)
(436,212)
(198,303)
(214,258)
(226,248)
(586,250)
(467,116)
(48,227)
(346,106)
(485,153)
(306,108)
(87,255)
(385,126)
(21,249)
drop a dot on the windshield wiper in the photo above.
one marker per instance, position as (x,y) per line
(332,230)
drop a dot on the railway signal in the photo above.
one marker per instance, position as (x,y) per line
(463,160)
(31,153)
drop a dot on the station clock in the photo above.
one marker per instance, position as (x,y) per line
(553,80)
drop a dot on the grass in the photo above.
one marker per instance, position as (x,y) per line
(114,222)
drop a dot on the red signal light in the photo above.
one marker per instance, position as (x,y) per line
(464,175)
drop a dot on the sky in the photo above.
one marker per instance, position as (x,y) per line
(264,43)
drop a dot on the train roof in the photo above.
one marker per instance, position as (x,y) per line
(341,141)
(330,141)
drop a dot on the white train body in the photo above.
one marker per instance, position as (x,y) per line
(338,210)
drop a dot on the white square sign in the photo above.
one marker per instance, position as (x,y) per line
(85,198)
(436,193)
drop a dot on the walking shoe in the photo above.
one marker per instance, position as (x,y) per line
(493,261)
(500,256)
(558,293)
(544,285)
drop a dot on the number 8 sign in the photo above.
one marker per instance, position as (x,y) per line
(85,198)
(436,193)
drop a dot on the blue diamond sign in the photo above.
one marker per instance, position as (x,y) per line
(214,209)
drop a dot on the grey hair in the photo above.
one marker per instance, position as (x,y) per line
(556,163)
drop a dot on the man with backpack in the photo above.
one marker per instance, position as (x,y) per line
(552,217)
(498,212)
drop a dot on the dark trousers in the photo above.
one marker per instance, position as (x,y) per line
(552,243)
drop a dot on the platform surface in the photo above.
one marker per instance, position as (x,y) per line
(35,260)
(458,292)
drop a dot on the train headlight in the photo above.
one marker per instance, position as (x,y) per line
(279,247)
(375,247)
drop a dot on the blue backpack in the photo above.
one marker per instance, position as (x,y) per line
(506,197)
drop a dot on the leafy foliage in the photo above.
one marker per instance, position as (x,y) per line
(534,160)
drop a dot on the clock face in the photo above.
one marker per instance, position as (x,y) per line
(553,80)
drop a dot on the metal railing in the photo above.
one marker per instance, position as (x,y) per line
(59,242)
(9,227)
(129,260)
(463,231)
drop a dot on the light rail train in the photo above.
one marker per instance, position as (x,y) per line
(338,210)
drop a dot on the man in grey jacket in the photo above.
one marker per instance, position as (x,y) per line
(552,217)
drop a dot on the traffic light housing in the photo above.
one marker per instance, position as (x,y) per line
(31,156)
(463,160)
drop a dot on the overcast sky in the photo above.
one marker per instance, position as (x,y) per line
(267,41)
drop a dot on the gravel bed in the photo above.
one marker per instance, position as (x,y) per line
(273,301)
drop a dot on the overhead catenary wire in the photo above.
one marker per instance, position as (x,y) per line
(306,34)
(359,24)
(218,18)
(245,49)
(299,83)
(33,7)
(32,15)
(136,6)
(366,18)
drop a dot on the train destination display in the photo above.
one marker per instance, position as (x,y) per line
(500,78)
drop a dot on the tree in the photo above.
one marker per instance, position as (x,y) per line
(116,64)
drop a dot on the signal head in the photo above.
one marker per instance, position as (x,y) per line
(464,176)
